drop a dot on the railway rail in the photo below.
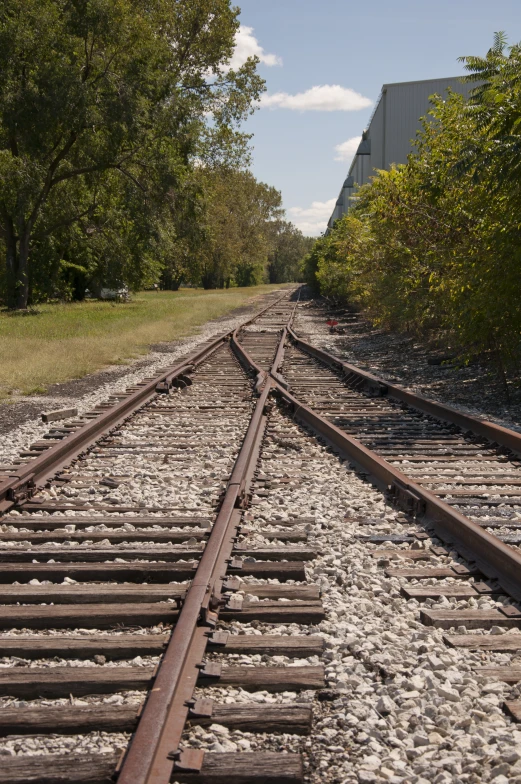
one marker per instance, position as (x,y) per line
(142,557)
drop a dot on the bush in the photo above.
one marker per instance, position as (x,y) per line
(434,245)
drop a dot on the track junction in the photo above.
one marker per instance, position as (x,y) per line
(174,569)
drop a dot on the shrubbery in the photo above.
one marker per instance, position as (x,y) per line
(435,245)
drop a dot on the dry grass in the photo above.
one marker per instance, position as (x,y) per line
(56,343)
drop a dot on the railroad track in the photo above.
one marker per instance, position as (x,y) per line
(184,585)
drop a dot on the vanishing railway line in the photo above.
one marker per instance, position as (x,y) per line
(174,568)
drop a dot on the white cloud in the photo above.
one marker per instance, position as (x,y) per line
(322,98)
(246,45)
(347,150)
(312,220)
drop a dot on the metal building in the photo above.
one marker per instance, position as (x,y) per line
(392,127)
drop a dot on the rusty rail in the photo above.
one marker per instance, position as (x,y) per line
(381,388)
(153,756)
(23,482)
(493,557)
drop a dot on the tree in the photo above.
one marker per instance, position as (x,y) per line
(239,214)
(289,248)
(92,89)
(495,103)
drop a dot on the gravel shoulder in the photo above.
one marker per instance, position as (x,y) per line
(404,359)
(20,418)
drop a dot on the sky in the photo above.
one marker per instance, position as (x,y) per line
(324,62)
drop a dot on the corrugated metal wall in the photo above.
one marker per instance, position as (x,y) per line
(405,103)
(392,129)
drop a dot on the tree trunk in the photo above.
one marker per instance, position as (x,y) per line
(170,281)
(208,279)
(176,282)
(17,263)
(23,272)
(10,263)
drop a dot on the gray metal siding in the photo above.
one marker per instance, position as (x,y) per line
(406,103)
(376,134)
(394,125)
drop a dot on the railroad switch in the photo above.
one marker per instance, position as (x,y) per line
(208,617)
(181,382)
(407,499)
(23,490)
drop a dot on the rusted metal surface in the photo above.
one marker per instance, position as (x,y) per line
(379,387)
(22,483)
(154,755)
(151,756)
(495,558)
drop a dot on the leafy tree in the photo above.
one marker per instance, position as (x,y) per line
(289,248)
(239,212)
(496,105)
(96,89)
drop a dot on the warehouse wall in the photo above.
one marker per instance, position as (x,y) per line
(392,129)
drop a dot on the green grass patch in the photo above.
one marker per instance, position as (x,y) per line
(59,342)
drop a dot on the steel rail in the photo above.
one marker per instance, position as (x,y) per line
(493,557)
(153,755)
(381,388)
(23,482)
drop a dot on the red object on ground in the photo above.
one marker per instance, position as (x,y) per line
(331,323)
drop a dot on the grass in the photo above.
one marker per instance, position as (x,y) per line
(60,342)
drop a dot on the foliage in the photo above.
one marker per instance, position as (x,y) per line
(434,245)
(108,109)
(239,212)
(289,247)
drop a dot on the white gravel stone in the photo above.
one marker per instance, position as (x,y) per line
(399,695)
(401,706)
(149,365)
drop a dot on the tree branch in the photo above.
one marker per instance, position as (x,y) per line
(66,222)
(132,178)
(48,184)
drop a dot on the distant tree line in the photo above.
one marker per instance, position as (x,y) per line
(434,245)
(121,156)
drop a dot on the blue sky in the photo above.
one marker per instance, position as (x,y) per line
(346,50)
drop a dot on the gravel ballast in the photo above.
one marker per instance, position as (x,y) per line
(414,363)
(20,418)
(400,705)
